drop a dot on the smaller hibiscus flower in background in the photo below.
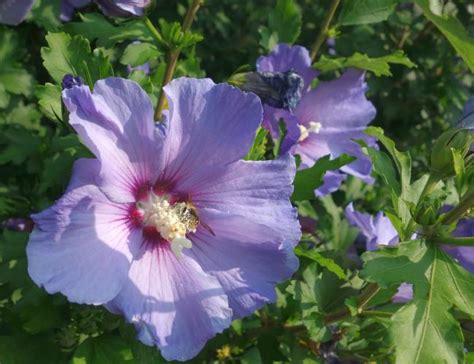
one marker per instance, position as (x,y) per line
(12,12)
(108,7)
(378,230)
(168,226)
(326,120)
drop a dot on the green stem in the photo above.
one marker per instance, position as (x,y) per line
(154,32)
(173,55)
(366,295)
(324,29)
(450,240)
(374,313)
(429,187)
(171,62)
(466,203)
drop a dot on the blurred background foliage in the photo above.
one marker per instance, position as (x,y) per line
(37,149)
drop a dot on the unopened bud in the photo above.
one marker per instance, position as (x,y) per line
(69,81)
(442,163)
(426,213)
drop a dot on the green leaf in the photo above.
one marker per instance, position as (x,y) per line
(269,348)
(352,304)
(278,142)
(138,54)
(425,330)
(285,21)
(268,39)
(380,66)
(41,316)
(453,30)
(103,349)
(460,170)
(16,349)
(16,80)
(49,100)
(308,180)
(13,77)
(175,38)
(383,166)
(257,151)
(340,235)
(325,262)
(142,79)
(46,14)
(98,65)
(17,144)
(66,55)
(355,12)
(318,293)
(96,27)
(402,160)
(4,97)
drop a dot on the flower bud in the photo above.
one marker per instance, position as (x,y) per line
(441,156)
(69,81)
(18,224)
(426,212)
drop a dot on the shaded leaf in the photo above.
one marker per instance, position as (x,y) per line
(308,180)
(356,12)
(380,66)
(325,262)
(453,30)
(103,350)
(96,27)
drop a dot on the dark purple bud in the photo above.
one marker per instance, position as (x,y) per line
(69,81)
(308,225)
(18,224)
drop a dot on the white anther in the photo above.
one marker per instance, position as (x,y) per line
(178,244)
(313,127)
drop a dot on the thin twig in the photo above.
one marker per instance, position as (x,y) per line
(453,241)
(367,294)
(404,37)
(466,203)
(173,55)
(324,29)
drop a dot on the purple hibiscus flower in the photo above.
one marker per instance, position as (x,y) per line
(108,7)
(12,12)
(326,120)
(379,230)
(68,7)
(168,226)
(376,230)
